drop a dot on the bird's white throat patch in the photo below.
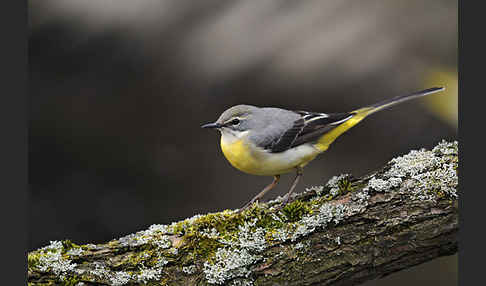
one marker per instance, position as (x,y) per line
(229,136)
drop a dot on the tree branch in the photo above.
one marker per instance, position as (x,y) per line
(344,233)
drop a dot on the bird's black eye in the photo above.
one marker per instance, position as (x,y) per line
(235,121)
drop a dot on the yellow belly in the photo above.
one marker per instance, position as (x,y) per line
(261,162)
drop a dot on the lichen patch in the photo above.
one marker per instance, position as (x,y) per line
(229,263)
(430,175)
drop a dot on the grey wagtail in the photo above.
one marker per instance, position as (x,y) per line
(270,141)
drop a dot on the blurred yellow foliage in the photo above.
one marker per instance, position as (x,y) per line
(445,105)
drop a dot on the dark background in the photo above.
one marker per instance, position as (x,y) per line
(119,89)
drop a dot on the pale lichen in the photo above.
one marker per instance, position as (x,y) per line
(302,245)
(241,282)
(429,174)
(51,258)
(119,278)
(210,233)
(148,274)
(232,261)
(161,262)
(190,269)
(91,246)
(101,271)
(446,148)
(327,213)
(229,263)
(381,185)
(132,240)
(317,189)
(334,184)
(362,197)
(155,234)
(75,251)
(338,240)
(281,234)
(252,240)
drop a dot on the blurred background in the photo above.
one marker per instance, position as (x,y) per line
(120,88)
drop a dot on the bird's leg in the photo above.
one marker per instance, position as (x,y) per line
(300,172)
(276,178)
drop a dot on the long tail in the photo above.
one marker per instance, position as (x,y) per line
(360,114)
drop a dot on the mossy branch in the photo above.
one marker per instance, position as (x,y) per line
(346,232)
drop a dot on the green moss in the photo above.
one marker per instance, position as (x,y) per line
(178,228)
(33,259)
(265,218)
(113,243)
(295,210)
(223,222)
(355,186)
(200,246)
(344,185)
(227,225)
(48,283)
(134,259)
(68,245)
(71,281)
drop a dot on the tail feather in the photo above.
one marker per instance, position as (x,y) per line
(326,139)
(396,100)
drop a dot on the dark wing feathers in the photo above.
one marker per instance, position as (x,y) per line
(285,141)
(319,126)
(306,129)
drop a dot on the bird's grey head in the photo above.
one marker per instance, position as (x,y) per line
(235,119)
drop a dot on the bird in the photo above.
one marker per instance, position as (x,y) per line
(271,141)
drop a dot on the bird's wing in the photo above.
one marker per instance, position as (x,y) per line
(308,128)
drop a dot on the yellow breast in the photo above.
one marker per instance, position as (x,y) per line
(240,156)
(254,161)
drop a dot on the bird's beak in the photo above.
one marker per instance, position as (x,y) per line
(212,125)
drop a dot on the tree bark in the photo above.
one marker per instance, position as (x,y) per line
(347,232)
